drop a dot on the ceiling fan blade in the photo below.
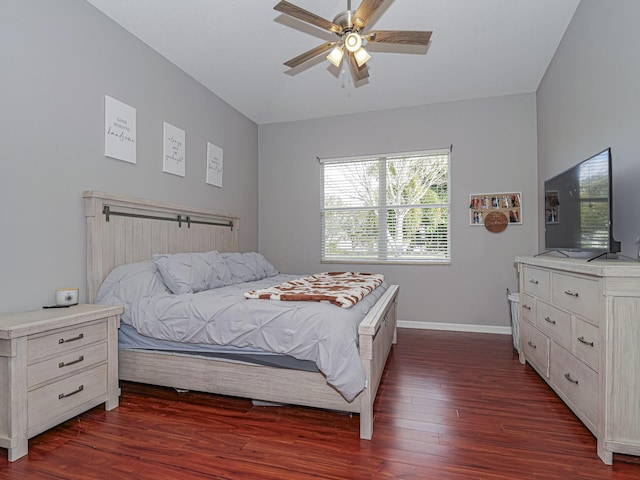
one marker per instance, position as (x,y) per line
(365,11)
(403,37)
(306,16)
(314,52)
(358,73)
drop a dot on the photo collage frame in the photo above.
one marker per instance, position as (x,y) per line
(507,203)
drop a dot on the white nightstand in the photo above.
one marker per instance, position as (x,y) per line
(55,364)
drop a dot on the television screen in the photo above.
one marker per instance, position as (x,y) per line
(578,208)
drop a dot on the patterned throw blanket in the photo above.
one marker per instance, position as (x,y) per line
(343,289)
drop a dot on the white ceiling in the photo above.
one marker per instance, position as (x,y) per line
(236,48)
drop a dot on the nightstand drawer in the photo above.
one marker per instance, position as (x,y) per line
(50,401)
(62,341)
(71,362)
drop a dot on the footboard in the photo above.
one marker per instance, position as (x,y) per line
(377,332)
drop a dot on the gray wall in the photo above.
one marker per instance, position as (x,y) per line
(494,150)
(58,61)
(588,100)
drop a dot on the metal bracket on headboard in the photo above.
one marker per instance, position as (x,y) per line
(106,210)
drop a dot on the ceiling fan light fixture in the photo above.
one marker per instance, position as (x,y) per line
(335,56)
(349,26)
(353,42)
(361,56)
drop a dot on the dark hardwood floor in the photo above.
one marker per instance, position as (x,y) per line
(451,406)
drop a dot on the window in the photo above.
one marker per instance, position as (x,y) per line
(391,208)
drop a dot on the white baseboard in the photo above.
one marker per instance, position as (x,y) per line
(455,327)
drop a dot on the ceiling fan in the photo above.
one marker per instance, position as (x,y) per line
(350,27)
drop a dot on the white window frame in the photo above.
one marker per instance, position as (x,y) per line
(382,241)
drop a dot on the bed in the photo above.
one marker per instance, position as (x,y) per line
(123,230)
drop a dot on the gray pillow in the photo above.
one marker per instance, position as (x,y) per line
(128,284)
(193,272)
(248,267)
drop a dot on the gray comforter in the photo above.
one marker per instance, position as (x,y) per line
(320,332)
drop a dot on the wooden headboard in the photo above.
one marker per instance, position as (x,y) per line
(122,229)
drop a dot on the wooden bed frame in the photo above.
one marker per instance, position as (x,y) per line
(123,229)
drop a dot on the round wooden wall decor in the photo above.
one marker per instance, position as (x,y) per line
(496,222)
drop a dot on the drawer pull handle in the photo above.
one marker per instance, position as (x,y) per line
(582,340)
(573,294)
(568,377)
(62,364)
(534,281)
(526,307)
(548,320)
(67,340)
(530,343)
(65,395)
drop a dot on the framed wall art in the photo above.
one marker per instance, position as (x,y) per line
(119,130)
(214,165)
(173,157)
(507,203)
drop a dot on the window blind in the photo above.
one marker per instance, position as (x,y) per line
(386,208)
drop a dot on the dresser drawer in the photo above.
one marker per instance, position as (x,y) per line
(528,308)
(578,295)
(555,323)
(586,344)
(70,362)
(62,341)
(576,381)
(535,346)
(536,282)
(53,400)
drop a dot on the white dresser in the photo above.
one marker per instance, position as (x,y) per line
(55,364)
(580,331)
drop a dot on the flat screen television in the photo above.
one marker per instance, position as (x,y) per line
(578,208)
